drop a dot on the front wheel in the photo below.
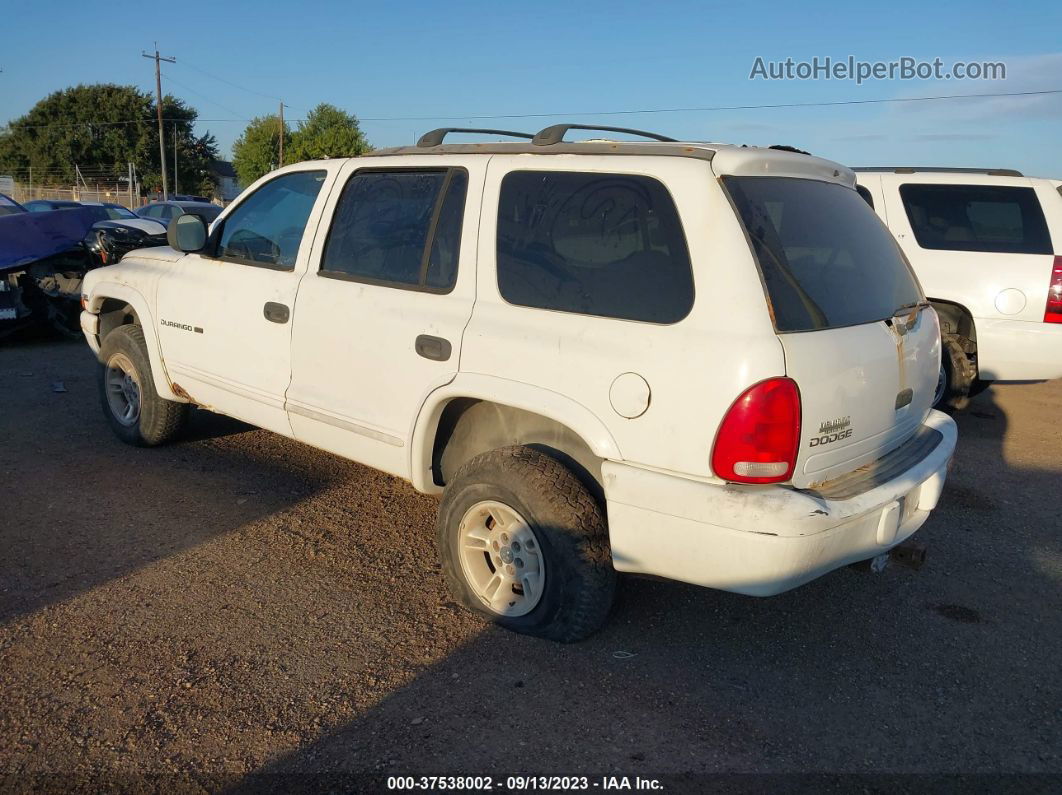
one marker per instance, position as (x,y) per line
(523,543)
(133,408)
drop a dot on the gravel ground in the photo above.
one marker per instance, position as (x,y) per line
(239,610)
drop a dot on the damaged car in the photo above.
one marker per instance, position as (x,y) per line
(44,255)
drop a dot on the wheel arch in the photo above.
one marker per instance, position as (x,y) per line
(474,414)
(117,305)
(955,318)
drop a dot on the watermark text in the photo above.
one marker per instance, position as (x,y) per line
(851,68)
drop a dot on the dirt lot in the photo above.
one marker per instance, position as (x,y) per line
(241,610)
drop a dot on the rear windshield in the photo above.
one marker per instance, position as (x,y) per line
(996,218)
(826,259)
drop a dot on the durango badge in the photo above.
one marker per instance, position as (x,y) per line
(832,431)
(181,326)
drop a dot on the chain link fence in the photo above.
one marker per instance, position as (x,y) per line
(114,193)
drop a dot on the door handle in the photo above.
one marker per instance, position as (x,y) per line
(276,313)
(434,348)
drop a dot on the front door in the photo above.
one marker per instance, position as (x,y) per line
(381,313)
(225,313)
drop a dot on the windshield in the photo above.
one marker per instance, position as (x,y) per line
(826,259)
(9,206)
(115,212)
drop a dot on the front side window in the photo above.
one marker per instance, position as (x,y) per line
(398,228)
(991,218)
(267,227)
(609,245)
(825,258)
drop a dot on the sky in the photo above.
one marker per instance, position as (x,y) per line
(394,64)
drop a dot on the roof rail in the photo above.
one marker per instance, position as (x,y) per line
(555,134)
(992,172)
(435,137)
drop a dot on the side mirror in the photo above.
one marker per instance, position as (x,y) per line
(187,233)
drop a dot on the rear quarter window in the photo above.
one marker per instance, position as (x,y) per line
(989,218)
(609,245)
(826,259)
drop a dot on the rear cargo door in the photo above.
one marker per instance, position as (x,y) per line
(864,390)
(858,338)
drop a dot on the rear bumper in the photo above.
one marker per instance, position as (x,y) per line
(1018,350)
(763,540)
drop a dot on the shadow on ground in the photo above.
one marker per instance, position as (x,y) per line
(80,508)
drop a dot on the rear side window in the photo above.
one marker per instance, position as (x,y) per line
(609,245)
(989,218)
(826,259)
(398,228)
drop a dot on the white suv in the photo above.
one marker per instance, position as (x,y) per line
(698,361)
(986,245)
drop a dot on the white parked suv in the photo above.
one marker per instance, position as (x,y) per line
(987,248)
(698,361)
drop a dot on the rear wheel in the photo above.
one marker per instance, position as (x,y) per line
(956,375)
(133,408)
(523,543)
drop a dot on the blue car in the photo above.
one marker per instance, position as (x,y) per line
(164,212)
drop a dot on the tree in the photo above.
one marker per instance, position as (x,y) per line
(104,127)
(327,132)
(257,150)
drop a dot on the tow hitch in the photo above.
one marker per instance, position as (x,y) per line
(910,553)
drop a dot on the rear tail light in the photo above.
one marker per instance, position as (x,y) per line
(758,439)
(1053,311)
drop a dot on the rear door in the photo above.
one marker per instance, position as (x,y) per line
(380,315)
(859,341)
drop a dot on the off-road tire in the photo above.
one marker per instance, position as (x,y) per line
(570,527)
(160,420)
(959,373)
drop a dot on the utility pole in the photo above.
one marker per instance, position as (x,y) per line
(175,190)
(130,166)
(158,106)
(281,134)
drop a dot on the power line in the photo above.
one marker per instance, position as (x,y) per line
(201,96)
(229,82)
(717,107)
(573,114)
